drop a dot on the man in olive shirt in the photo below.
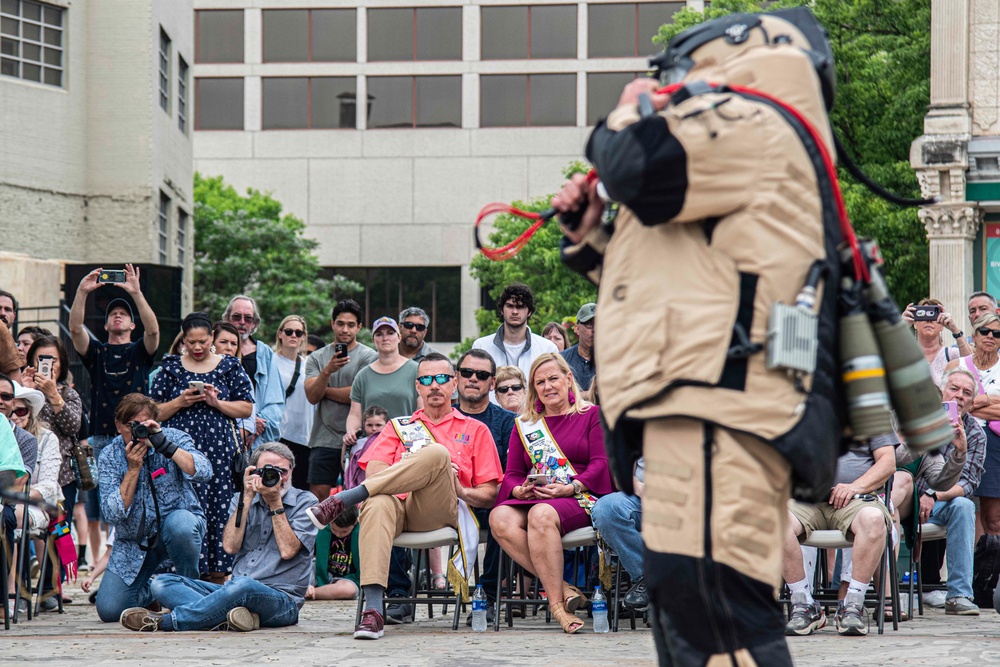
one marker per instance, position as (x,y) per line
(328,386)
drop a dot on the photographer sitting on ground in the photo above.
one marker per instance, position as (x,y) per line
(273,545)
(146,476)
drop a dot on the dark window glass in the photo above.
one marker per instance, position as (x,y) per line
(611,31)
(286,35)
(391,99)
(439,33)
(286,103)
(503,100)
(219,103)
(27,27)
(390,34)
(651,17)
(334,102)
(553,32)
(335,35)
(552,99)
(603,91)
(163,226)
(439,101)
(219,36)
(504,32)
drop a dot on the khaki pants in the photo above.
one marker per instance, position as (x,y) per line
(714,513)
(431,503)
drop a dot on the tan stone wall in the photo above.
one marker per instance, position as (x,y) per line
(35,283)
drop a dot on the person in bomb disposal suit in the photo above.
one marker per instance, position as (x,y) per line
(722,211)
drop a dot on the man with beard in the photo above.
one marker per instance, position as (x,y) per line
(10,361)
(414,323)
(476,370)
(435,459)
(330,372)
(273,545)
(259,363)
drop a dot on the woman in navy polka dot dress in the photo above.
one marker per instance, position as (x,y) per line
(202,393)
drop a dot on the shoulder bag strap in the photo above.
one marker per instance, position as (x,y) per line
(290,389)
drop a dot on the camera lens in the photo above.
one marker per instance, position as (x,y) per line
(139,430)
(269,475)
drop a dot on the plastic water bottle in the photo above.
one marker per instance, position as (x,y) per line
(599,607)
(479,609)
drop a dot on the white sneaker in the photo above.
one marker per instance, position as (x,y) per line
(935,598)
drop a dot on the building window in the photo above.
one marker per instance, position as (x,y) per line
(310,103)
(218,103)
(414,101)
(518,100)
(182,94)
(163,226)
(603,91)
(627,30)
(388,290)
(218,36)
(164,71)
(310,35)
(182,223)
(546,31)
(31,41)
(424,33)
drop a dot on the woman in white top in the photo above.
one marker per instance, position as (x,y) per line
(985,362)
(937,350)
(296,424)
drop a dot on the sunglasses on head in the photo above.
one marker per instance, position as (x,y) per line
(511,387)
(298,333)
(414,325)
(986,331)
(21,412)
(481,375)
(6,397)
(237,317)
(440,378)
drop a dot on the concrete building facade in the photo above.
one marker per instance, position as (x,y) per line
(95,147)
(468,102)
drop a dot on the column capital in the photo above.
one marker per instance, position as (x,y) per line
(955,221)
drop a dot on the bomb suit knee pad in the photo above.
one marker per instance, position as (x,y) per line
(714,512)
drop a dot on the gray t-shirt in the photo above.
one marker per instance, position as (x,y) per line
(330,420)
(859,458)
(396,391)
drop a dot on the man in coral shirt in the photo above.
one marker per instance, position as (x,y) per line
(418,469)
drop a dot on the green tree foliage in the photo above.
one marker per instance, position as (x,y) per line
(244,245)
(882,54)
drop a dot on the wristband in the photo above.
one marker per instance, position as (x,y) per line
(161,445)
(280,510)
(958,334)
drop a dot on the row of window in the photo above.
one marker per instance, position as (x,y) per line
(31,41)
(165,60)
(163,232)
(505,100)
(434,33)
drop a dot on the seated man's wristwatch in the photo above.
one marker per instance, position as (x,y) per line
(932,493)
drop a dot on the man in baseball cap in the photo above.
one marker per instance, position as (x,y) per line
(580,357)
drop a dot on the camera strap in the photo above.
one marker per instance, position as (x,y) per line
(144,544)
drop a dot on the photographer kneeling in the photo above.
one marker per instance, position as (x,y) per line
(273,544)
(146,476)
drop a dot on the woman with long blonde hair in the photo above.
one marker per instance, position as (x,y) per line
(296,423)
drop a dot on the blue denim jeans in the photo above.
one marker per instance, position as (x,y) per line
(958,516)
(181,534)
(200,605)
(618,517)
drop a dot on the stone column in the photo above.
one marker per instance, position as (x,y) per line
(952,230)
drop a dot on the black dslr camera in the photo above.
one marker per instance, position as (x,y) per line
(139,431)
(269,475)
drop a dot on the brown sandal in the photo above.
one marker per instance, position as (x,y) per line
(569,622)
(574,598)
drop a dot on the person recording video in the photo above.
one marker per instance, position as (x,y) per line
(146,477)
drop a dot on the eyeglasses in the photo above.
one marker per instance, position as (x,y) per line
(414,325)
(986,331)
(21,412)
(480,375)
(510,387)
(298,333)
(6,397)
(237,317)
(440,378)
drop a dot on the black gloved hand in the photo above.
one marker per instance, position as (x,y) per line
(161,445)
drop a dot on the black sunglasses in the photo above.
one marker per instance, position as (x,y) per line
(298,333)
(481,375)
(440,378)
(237,317)
(6,397)
(986,331)
(414,325)
(512,387)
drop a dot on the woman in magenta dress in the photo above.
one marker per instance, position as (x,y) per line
(558,436)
